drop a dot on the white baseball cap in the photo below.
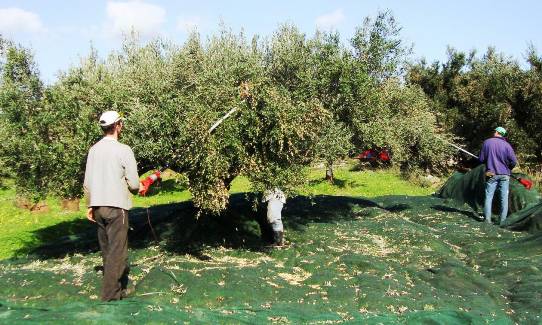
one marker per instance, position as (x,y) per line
(109,117)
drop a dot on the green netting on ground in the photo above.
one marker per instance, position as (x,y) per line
(469,188)
(529,219)
(392,259)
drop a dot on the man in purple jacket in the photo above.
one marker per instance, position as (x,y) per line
(499,157)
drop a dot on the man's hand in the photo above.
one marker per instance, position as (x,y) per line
(90,214)
(143,188)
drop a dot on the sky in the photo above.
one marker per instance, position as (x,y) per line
(60,33)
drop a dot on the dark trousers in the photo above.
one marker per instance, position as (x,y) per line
(113,239)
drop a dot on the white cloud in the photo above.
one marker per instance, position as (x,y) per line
(15,20)
(331,19)
(188,24)
(123,17)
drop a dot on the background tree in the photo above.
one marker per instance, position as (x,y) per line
(379,47)
(334,144)
(528,108)
(383,112)
(401,120)
(24,123)
(473,95)
(75,102)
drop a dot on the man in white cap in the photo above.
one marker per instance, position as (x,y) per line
(499,157)
(110,176)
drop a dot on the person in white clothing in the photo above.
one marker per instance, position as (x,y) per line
(110,176)
(275,202)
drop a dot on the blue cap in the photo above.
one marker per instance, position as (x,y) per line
(501,130)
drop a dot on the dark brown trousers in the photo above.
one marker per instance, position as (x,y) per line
(113,239)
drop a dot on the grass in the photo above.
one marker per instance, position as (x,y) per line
(367,183)
(17,226)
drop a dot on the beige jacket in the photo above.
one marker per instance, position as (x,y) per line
(110,175)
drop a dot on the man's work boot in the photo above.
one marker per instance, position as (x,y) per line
(126,293)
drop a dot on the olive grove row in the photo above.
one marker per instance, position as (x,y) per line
(299,99)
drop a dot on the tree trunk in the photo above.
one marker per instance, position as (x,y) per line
(329,172)
(265,227)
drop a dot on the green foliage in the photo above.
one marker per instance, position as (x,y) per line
(381,111)
(170,97)
(25,134)
(287,60)
(333,144)
(527,110)
(311,69)
(379,47)
(401,121)
(74,104)
(355,88)
(298,100)
(473,95)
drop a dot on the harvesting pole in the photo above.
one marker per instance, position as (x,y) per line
(217,123)
(461,149)
(244,93)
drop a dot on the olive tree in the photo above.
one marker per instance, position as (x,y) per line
(473,94)
(74,102)
(335,143)
(379,47)
(312,69)
(24,123)
(170,97)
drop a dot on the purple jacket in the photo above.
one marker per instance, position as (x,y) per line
(498,156)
